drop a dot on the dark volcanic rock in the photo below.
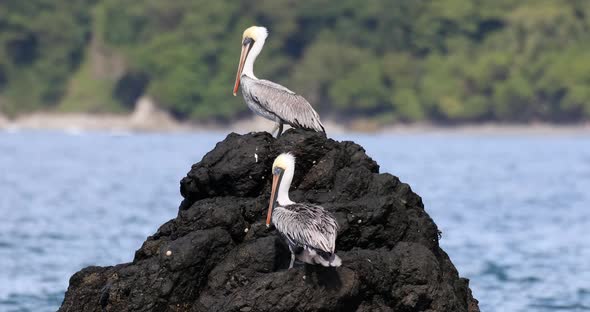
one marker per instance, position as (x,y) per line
(217,255)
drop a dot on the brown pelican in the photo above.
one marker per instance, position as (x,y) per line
(266,98)
(310,231)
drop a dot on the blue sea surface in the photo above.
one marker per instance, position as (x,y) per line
(514,211)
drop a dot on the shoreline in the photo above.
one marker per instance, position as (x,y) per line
(158,121)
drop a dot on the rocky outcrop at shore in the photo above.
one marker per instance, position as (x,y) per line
(218,255)
(145,117)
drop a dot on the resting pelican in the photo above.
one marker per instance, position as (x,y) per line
(266,98)
(310,231)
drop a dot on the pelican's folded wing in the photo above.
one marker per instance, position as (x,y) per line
(307,225)
(286,104)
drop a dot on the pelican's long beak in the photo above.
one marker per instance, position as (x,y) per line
(276,181)
(243,55)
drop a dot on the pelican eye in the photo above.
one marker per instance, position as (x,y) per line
(247,41)
(277,170)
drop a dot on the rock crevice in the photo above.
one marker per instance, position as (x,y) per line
(218,255)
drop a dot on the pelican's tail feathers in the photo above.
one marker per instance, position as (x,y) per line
(315,256)
(335,261)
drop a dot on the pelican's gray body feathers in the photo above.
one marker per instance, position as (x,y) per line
(275,102)
(310,232)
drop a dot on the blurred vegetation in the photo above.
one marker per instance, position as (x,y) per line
(447,61)
(41,43)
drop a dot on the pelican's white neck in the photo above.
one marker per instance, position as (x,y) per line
(249,64)
(283,195)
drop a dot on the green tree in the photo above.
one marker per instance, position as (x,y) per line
(41,43)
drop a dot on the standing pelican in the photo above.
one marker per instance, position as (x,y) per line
(310,231)
(266,98)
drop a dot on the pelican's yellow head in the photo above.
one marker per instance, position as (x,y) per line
(283,161)
(255,33)
(251,35)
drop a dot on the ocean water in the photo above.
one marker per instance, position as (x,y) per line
(514,211)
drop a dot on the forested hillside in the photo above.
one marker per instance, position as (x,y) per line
(447,61)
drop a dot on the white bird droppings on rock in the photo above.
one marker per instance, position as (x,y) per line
(169,253)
